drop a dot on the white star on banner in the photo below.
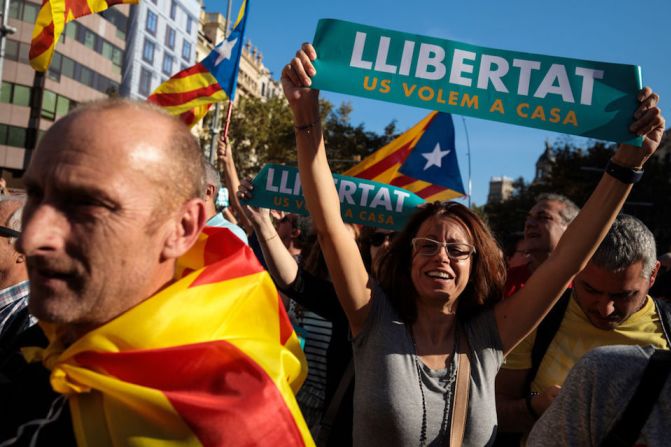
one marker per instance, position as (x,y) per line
(225,50)
(435,158)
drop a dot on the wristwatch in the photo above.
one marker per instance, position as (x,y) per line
(622,173)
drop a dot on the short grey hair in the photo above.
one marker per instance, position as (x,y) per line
(628,241)
(211,177)
(14,221)
(568,212)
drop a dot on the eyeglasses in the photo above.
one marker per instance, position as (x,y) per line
(377,239)
(457,251)
(9,232)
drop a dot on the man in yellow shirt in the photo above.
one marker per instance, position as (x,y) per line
(609,305)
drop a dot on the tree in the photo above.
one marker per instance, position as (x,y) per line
(263,132)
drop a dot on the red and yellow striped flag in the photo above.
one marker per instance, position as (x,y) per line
(211,360)
(436,179)
(189,94)
(51,20)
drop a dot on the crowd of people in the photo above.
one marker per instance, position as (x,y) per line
(423,336)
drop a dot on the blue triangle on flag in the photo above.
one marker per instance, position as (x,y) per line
(434,157)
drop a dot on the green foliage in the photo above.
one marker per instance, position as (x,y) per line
(575,174)
(262,132)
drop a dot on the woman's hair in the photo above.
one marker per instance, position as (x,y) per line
(312,258)
(488,274)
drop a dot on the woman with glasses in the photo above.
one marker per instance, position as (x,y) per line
(435,311)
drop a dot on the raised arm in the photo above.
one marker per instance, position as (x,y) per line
(346,267)
(227,164)
(281,265)
(521,313)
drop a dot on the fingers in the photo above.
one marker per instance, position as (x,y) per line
(648,122)
(309,50)
(648,100)
(245,189)
(302,68)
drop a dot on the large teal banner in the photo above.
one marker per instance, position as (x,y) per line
(361,201)
(579,97)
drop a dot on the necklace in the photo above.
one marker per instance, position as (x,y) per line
(451,378)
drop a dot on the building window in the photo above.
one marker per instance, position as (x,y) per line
(148,51)
(170,37)
(167,64)
(186,51)
(12,136)
(152,23)
(188,24)
(173,10)
(145,82)
(15,94)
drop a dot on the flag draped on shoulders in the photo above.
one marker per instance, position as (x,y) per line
(190,93)
(51,20)
(211,360)
(422,160)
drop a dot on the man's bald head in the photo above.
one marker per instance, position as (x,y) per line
(163,147)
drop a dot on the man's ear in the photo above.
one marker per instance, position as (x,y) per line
(653,275)
(211,192)
(185,229)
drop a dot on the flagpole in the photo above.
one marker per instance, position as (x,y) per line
(468,153)
(214,129)
(230,101)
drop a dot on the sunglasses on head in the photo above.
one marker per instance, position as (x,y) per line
(377,239)
(8,232)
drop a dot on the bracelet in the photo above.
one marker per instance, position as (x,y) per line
(307,128)
(622,173)
(530,408)
(271,237)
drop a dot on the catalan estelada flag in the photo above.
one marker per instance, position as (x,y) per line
(211,360)
(190,93)
(51,20)
(422,160)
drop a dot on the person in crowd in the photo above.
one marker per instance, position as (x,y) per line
(546,222)
(211,189)
(608,305)
(137,303)
(14,286)
(438,292)
(375,242)
(596,406)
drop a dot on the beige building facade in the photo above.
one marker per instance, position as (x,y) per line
(86,66)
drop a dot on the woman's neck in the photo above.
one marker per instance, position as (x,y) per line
(434,327)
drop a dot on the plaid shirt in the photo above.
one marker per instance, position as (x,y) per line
(12,300)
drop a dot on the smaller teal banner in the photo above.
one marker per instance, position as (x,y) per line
(574,96)
(361,201)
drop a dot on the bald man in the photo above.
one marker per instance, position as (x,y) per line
(114,199)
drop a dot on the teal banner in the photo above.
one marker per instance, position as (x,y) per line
(579,97)
(361,201)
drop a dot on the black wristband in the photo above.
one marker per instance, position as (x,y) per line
(530,408)
(623,174)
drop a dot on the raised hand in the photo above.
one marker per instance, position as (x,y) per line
(258,216)
(649,123)
(296,82)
